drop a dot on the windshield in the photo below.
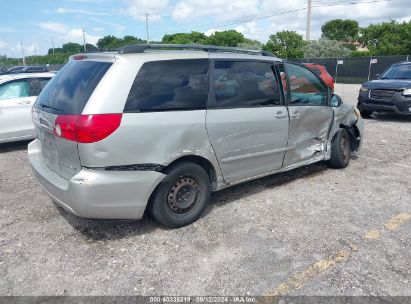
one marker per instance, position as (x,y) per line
(398,72)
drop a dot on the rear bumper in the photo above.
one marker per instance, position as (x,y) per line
(398,104)
(96,193)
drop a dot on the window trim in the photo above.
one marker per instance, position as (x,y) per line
(212,103)
(288,102)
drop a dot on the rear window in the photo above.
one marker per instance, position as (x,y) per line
(169,85)
(72,86)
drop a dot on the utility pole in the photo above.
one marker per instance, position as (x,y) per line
(148,40)
(84,41)
(308,32)
(22,53)
(52,44)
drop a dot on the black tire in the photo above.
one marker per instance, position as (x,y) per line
(364,113)
(182,196)
(340,150)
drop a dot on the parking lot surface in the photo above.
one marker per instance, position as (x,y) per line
(311,231)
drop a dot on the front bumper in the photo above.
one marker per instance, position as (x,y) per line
(360,126)
(96,193)
(399,104)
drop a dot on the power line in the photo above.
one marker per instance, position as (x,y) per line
(290,11)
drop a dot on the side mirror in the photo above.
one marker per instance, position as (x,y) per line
(336,101)
(377,76)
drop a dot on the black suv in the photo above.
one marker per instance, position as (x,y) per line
(390,92)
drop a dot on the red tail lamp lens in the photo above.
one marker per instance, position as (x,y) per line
(86,128)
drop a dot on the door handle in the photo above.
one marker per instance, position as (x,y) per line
(280,115)
(296,115)
(24,102)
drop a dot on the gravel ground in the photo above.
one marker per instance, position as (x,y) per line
(311,231)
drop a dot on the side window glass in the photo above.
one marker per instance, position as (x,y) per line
(305,87)
(15,89)
(170,85)
(245,84)
(43,82)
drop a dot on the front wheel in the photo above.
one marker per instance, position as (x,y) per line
(182,196)
(340,150)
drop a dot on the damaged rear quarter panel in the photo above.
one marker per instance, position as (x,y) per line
(152,138)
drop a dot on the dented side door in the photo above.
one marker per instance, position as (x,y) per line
(310,116)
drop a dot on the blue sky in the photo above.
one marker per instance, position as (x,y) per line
(37,22)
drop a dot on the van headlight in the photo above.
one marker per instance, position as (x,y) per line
(363,89)
(407,92)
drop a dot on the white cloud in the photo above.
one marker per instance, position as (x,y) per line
(3,44)
(68,34)
(7,29)
(211,31)
(76,35)
(62,10)
(54,27)
(251,30)
(117,26)
(155,8)
(219,10)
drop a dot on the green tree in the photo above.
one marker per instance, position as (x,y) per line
(341,30)
(127,40)
(91,47)
(250,44)
(387,38)
(226,38)
(185,38)
(286,44)
(326,48)
(109,42)
(72,48)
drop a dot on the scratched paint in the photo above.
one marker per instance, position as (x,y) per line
(395,222)
(300,279)
(372,235)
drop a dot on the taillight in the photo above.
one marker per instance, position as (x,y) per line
(79,57)
(86,128)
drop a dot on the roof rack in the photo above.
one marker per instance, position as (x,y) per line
(140,48)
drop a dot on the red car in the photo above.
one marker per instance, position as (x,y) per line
(321,71)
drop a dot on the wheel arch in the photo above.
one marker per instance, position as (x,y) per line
(354,134)
(199,160)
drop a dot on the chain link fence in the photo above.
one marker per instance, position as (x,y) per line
(354,70)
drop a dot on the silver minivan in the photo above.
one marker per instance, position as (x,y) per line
(149,127)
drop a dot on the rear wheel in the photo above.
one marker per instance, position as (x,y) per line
(182,196)
(340,150)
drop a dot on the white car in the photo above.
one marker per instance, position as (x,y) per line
(18,92)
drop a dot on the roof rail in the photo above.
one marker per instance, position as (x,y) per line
(140,48)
